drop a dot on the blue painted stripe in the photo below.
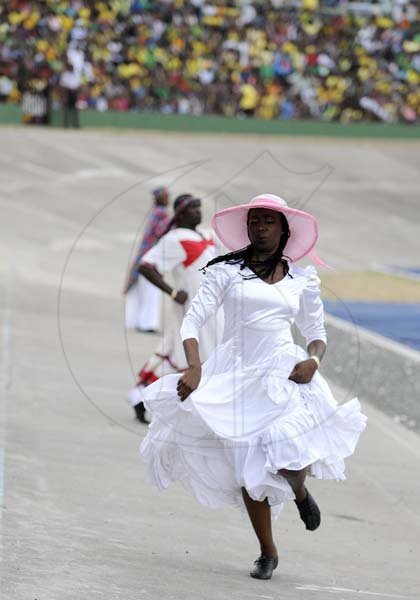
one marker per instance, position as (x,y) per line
(397,321)
(410,270)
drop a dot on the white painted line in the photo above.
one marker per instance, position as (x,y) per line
(40,170)
(377,268)
(89,158)
(375,338)
(372,481)
(406,439)
(1,499)
(5,340)
(339,590)
(85,244)
(5,382)
(59,179)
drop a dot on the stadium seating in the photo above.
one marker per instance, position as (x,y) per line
(329,60)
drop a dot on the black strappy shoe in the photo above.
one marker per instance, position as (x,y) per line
(264,567)
(140,411)
(309,512)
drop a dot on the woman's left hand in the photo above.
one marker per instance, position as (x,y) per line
(303,371)
(189,382)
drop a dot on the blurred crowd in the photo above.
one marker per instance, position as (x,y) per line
(269,58)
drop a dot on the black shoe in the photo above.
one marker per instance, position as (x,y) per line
(309,512)
(141,413)
(264,567)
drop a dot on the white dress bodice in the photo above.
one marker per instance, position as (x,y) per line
(258,315)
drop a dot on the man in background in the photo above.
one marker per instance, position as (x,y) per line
(70,82)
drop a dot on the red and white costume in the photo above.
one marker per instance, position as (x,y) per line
(181,252)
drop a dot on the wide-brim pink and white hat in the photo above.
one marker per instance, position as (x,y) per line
(231,227)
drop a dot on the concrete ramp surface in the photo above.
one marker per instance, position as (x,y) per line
(77,519)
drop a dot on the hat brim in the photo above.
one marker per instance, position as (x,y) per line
(231,228)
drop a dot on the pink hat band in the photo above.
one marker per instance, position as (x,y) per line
(231,226)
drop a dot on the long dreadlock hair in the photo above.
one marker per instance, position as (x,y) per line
(264,269)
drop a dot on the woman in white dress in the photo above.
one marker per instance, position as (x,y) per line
(181,251)
(246,427)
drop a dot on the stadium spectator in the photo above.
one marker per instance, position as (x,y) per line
(333,60)
(70,83)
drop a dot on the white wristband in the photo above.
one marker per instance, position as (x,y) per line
(316,359)
(173,294)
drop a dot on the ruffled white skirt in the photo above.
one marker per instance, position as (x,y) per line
(244,424)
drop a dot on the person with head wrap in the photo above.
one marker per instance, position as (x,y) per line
(143,300)
(181,251)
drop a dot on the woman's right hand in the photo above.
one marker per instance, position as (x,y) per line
(189,382)
(181,297)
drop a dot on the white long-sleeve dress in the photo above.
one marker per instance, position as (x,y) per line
(247,420)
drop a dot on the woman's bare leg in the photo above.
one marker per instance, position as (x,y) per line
(296,480)
(260,516)
(307,507)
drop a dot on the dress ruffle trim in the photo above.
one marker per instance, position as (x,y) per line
(181,447)
(306,441)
